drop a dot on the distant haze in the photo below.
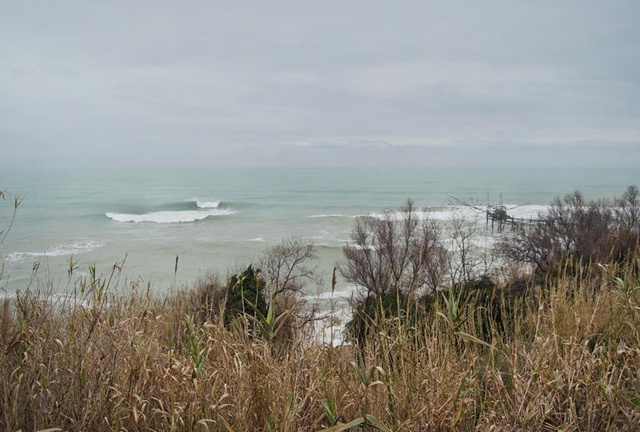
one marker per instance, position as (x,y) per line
(324,83)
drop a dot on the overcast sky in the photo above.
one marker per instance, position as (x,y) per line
(322,83)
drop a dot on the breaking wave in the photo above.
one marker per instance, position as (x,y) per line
(446,213)
(206,204)
(343,294)
(163,217)
(330,216)
(190,210)
(528,211)
(56,251)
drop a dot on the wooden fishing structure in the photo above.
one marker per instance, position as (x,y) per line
(499,215)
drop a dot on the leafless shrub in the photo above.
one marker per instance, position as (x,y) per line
(394,254)
(467,260)
(601,230)
(289,267)
(284,271)
(628,209)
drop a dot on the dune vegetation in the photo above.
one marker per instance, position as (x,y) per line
(547,337)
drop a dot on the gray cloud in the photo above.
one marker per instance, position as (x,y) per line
(325,83)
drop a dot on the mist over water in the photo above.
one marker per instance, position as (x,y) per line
(220,219)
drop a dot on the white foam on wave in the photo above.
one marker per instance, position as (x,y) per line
(163,217)
(452,212)
(330,245)
(330,216)
(336,295)
(528,211)
(56,251)
(205,204)
(60,299)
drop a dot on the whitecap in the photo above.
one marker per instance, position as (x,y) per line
(56,251)
(327,216)
(202,204)
(528,211)
(338,294)
(57,300)
(467,213)
(163,217)
(329,245)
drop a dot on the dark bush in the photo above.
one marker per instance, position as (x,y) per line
(245,295)
(372,311)
(495,306)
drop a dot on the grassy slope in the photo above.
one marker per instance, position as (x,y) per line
(139,363)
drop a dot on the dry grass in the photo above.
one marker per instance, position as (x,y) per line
(138,363)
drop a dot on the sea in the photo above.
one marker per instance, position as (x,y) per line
(218,220)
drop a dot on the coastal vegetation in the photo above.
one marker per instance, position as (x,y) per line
(542,333)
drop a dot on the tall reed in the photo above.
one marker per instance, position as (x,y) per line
(570,361)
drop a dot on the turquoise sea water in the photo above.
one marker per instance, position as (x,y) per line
(216,219)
